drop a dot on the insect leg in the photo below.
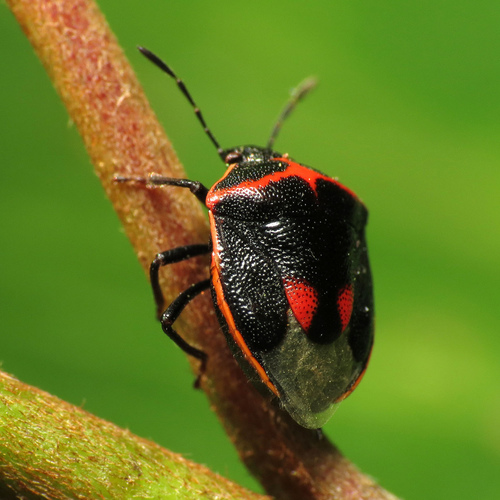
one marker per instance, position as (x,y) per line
(172,313)
(170,257)
(197,188)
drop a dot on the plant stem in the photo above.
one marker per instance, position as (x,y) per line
(51,449)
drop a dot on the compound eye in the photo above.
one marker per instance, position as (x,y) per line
(233,157)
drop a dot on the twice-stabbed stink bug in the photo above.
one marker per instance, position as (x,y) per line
(290,277)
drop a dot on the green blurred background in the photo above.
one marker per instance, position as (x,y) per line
(407,114)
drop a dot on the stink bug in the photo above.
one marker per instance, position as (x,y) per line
(290,277)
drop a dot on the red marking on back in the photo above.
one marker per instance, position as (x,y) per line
(344,304)
(303,299)
(293,170)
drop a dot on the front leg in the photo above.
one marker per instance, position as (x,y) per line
(153,180)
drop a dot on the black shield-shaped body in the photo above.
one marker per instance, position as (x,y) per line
(291,280)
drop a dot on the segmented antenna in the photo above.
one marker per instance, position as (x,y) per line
(297,95)
(158,62)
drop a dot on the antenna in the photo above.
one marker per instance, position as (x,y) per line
(158,62)
(297,95)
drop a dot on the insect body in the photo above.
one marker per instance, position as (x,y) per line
(290,277)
